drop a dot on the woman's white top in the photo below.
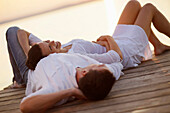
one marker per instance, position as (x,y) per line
(133,43)
(131,39)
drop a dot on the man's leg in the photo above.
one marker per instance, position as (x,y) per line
(17,56)
(130,12)
(148,14)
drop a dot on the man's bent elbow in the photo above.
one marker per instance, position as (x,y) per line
(29,108)
(25,108)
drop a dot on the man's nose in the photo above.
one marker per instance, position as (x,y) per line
(52,42)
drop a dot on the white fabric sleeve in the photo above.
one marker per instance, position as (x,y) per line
(33,39)
(116,69)
(106,58)
(38,92)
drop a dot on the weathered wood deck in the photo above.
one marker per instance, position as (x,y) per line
(145,89)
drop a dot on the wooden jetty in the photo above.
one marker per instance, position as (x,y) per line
(144,89)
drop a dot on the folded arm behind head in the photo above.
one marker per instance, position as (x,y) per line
(40,103)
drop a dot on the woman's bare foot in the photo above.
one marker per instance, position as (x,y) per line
(15,85)
(161,49)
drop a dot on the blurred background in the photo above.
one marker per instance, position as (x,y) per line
(63,20)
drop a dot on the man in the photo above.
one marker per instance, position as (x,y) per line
(58,77)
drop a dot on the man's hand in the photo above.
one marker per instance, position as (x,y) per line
(78,94)
(48,41)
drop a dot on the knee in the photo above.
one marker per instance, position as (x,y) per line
(20,31)
(11,31)
(149,7)
(135,4)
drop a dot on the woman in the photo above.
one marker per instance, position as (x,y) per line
(129,42)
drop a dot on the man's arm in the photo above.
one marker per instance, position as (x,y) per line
(106,58)
(40,103)
(23,40)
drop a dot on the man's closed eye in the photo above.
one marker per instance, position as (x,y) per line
(50,48)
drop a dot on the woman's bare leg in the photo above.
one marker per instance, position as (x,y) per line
(148,14)
(130,12)
(158,46)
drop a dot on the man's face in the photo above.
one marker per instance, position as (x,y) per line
(81,72)
(48,47)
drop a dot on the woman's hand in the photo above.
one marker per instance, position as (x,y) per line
(103,43)
(105,38)
(78,94)
(112,45)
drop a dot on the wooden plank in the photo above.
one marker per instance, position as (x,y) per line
(12,93)
(157,75)
(12,98)
(138,90)
(147,68)
(12,111)
(156,109)
(162,70)
(118,101)
(14,101)
(15,95)
(125,107)
(140,81)
(11,90)
(9,107)
(156,60)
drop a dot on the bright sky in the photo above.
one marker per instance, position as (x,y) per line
(87,21)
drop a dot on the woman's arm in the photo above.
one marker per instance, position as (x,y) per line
(40,103)
(111,43)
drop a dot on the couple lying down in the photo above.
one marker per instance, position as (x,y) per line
(55,73)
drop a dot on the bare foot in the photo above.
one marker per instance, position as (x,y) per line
(160,49)
(15,85)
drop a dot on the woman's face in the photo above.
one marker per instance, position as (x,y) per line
(48,47)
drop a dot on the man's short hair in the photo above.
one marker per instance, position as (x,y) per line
(34,56)
(96,85)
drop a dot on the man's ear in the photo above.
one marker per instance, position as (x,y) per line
(80,73)
(84,72)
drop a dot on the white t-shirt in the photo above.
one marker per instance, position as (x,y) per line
(33,39)
(57,72)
